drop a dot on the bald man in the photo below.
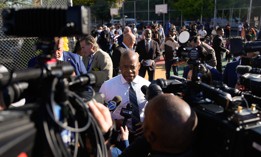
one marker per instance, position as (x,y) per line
(169,126)
(128,43)
(126,30)
(172,129)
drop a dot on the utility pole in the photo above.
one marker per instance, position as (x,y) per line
(249,12)
(163,16)
(148,11)
(215,14)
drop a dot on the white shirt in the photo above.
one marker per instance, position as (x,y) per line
(118,86)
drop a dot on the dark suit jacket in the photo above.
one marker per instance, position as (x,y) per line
(76,62)
(153,54)
(74,59)
(230,75)
(116,56)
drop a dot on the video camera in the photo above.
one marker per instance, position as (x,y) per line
(55,121)
(229,120)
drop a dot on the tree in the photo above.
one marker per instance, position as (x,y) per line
(192,9)
(99,8)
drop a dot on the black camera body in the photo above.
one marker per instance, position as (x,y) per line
(47,22)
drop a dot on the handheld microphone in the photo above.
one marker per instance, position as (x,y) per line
(144,89)
(126,113)
(153,90)
(112,104)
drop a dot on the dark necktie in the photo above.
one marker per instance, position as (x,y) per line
(135,107)
(147,46)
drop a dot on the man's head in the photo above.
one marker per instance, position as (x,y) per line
(169,124)
(172,31)
(88,45)
(195,41)
(147,34)
(129,40)
(59,46)
(126,30)
(220,31)
(129,65)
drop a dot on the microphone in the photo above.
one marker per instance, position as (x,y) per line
(221,98)
(232,91)
(112,104)
(179,78)
(144,89)
(126,113)
(153,90)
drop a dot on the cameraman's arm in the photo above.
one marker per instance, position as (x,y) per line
(102,115)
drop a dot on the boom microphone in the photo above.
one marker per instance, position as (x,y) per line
(112,104)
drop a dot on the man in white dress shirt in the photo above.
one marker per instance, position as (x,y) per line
(119,85)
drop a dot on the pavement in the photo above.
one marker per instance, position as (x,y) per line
(160,70)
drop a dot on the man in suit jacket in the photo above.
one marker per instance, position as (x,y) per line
(128,43)
(230,74)
(74,59)
(219,48)
(96,61)
(149,52)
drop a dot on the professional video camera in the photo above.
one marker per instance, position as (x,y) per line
(55,121)
(229,120)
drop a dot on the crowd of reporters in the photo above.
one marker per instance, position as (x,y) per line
(166,123)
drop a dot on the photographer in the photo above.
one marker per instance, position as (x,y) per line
(204,53)
(230,76)
(208,53)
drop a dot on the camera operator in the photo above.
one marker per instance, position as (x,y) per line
(230,76)
(208,53)
(204,53)
(169,133)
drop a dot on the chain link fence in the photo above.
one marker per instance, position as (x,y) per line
(15,52)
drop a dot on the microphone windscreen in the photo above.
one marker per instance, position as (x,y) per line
(153,91)
(117,99)
(144,89)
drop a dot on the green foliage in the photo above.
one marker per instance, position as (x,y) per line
(83,2)
(192,9)
(92,2)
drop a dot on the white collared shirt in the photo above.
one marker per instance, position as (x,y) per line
(118,86)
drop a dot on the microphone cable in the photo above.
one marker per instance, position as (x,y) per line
(53,132)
